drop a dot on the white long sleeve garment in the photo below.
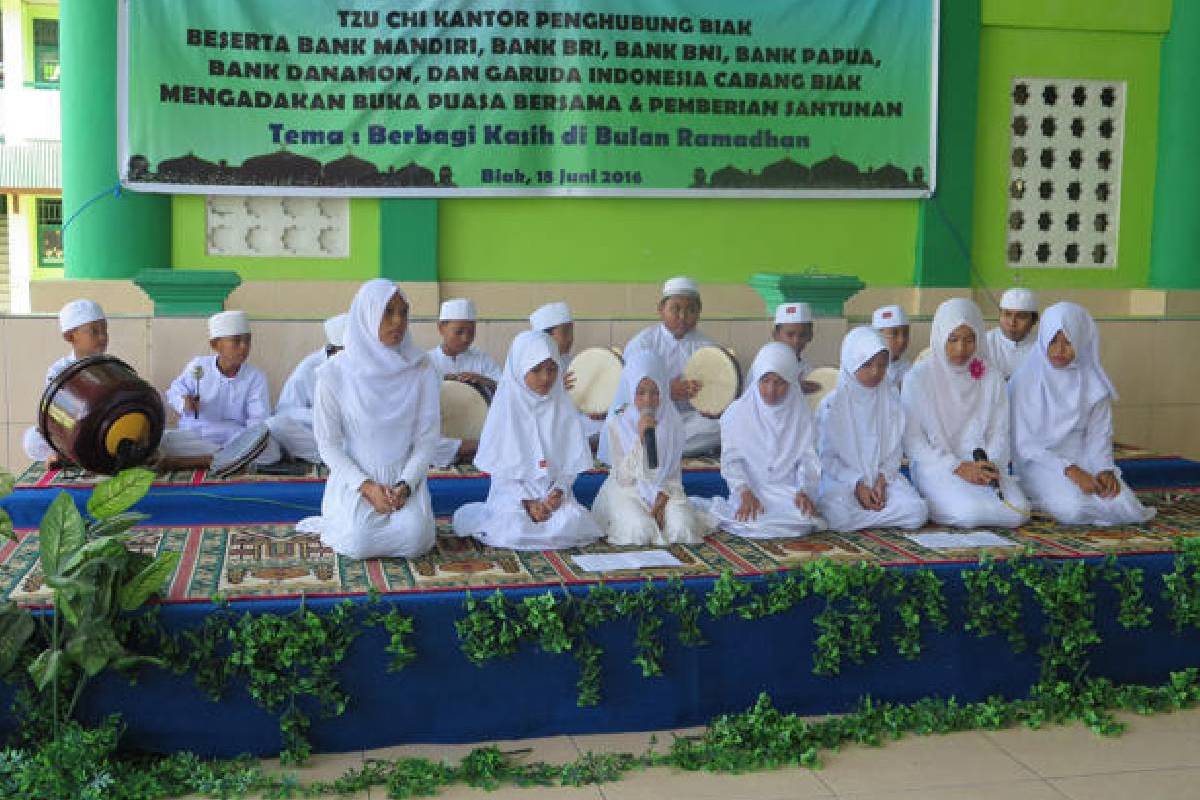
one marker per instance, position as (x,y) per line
(227,405)
(35,445)
(473,360)
(703,434)
(1007,355)
(292,423)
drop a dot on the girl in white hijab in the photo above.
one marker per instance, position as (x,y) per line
(956,403)
(534,447)
(1062,426)
(861,428)
(376,420)
(769,456)
(640,505)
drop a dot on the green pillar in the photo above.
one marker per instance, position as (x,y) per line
(944,230)
(408,246)
(1175,242)
(113,237)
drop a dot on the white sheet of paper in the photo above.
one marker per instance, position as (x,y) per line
(944,540)
(637,559)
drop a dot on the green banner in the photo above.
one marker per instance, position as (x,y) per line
(629,97)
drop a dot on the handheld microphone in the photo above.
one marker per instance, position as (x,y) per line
(651,445)
(979,454)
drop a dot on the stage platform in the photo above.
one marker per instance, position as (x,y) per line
(260,565)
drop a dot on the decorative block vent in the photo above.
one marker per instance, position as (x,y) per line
(1064,186)
(278,227)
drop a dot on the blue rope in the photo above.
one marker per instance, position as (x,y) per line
(962,247)
(115,191)
(262,500)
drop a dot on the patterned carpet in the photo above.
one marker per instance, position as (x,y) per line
(258,561)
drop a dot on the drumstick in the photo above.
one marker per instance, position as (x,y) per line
(197,374)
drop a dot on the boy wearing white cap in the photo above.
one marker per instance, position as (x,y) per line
(85,328)
(292,424)
(892,324)
(1010,342)
(674,340)
(794,327)
(218,396)
(457,359)
(555,320)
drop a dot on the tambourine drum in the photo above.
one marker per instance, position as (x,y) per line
(464,409)
(597,373)
(720,379)
(100,415)
(921,356)
(827,377)
(239,452)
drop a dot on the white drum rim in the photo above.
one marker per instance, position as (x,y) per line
(463,431)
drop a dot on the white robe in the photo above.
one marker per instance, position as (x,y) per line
(36,446)
(531,445)
(472,360)
(771,451)
(292,423)
(1005,354)
(364,434)
(228,406)
(897,371)
(977,417)
(860,438)
(622,508)
(1063,417)
(703,434)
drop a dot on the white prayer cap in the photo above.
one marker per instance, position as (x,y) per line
(1019,300)
(888,317)
(79,312)
(457,308)
(680,285)
(228,323)
(335,330)
(793,312)
(549,316)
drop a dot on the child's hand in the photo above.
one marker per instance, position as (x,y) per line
(807,507)
(554,500)
(810,387)
(467,450)
(683,389)
(645,423)
(880,491)
(659,510)
(978,473)
(1081,478)
(398,495)
(536,510)
(1109,485)
(569,380)
(191,402)
(750,508)
(377,496)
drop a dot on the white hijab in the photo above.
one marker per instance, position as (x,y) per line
(957,403)
(528,436)
(370,375)
(1049,402)
(623,415)
(865,425)
(781,434)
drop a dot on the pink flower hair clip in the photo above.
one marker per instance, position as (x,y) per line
(977,368)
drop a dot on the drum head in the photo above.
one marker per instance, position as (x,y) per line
(464,409)
(597,375)
(827,377)
(240,451)
(720,379)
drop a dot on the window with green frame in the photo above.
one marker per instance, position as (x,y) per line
(49,232)
(45,51)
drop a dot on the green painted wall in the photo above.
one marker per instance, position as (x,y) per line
(408,239)
(1091,15)
(1010,52)
(189,248)
(1175,251)
(721,241)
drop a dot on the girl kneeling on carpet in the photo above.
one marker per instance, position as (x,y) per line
(376,419)
(1062,426)
(642,503)
(534,447)
(769,456)
(956,403)
(861,426)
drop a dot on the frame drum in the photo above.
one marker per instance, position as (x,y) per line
(720,379)
(464,409)
(827,377)
(100,415)
(240,451)
(597,376)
